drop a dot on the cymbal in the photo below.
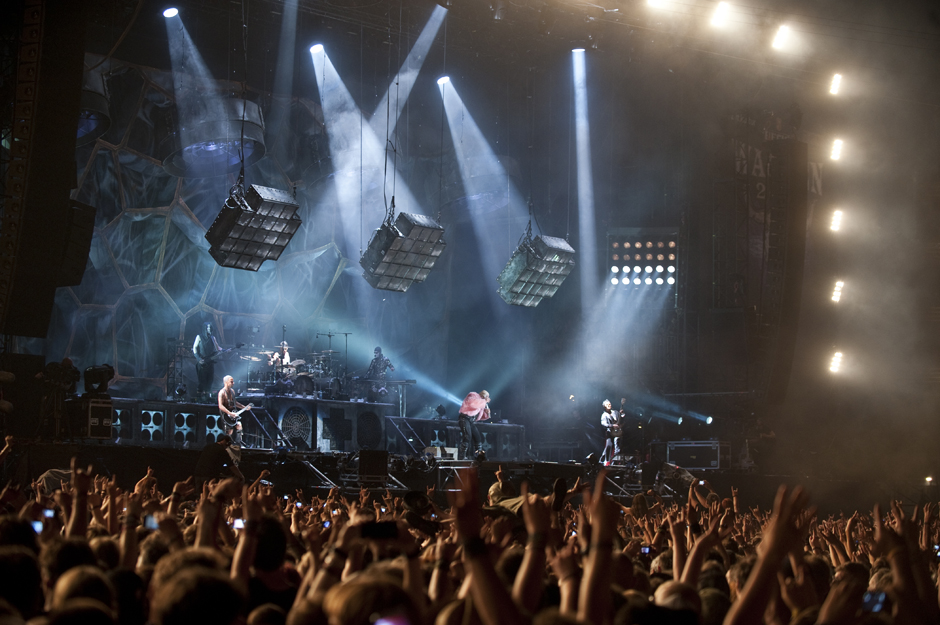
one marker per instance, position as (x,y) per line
(330,351)
(297,363)
(266,353)
(251,358)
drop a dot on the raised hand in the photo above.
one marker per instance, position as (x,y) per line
(82,480)
(468,520)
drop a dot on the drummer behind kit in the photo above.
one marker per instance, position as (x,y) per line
(315,375)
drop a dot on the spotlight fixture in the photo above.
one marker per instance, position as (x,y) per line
(443,80)
(708,420)
(316,48)
(577,49)
(836,150)
(212,137)
(837,291)
(402,252)
(783,34)
(536,269)
(97,378)
(720,16)
(171,12)
(253,227)
(836,221)
(836,82)
(836,362)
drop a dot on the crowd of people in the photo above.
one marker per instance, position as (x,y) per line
(86,551)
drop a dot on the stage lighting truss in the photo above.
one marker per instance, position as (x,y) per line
(253,227)
(402,252)
(535,270)
(643,257)
(209,136)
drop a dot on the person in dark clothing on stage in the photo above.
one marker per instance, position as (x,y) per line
(205,348)
(215,462)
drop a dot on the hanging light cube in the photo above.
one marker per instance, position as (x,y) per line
(402,253)
(535,271)
(253,227)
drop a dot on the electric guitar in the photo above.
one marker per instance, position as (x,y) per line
(231,420)
(614,430)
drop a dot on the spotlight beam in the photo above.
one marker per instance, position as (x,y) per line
(474,155)
(401,86)
(586,222)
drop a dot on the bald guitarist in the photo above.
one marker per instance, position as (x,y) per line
(227,410)
(611,421)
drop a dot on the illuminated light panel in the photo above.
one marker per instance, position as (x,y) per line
(637,269)
(659,280)
(837,291)
(636,281)
(616,281)
(836,221)
(720,16)
(835,84)
(671,269)
(171,12)
(782,36)
(648,281)
(836,362)
(670,280)
(659,268)
(836,150)
(615,269)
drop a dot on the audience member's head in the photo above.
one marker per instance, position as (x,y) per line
(678,596)
(61,554)
(362,600)
(185,559)
(267,614)
(83,582)
(197,596)
(715,605)
(17,531)
(20,580)
(82,612)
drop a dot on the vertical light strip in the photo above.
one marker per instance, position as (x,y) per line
(587,245)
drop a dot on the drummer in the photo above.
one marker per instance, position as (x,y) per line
(280,358)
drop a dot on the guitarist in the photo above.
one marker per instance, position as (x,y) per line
(227,408)
(611,422)
(205,349)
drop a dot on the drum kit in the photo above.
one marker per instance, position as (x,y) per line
(318,373)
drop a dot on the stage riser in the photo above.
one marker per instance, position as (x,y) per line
(310,424)
(500,441)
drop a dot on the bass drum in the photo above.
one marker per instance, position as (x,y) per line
(304,385)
